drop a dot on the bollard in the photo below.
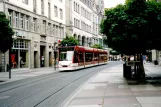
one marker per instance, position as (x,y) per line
(10,74)
(9,70)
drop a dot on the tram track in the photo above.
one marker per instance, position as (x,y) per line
(49,92)
(68,86)
(37,105)
(51,87)
(31,80)
(31,94)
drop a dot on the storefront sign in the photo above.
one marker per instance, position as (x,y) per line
(20,34)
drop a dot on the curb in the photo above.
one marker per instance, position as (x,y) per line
(15,79)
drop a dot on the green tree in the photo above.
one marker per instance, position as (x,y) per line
(133,28)
(6,33)
(69,41)
(97,46)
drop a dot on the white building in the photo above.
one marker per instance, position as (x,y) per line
(82,20)
(156,55)
(38,24)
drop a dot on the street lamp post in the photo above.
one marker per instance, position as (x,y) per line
(10,62)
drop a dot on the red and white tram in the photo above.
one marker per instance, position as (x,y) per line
(77,57)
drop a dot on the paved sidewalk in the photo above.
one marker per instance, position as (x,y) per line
(110,89)
(17,74)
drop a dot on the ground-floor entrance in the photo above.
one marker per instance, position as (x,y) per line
(42,56)
(19,58)
(50,59)
(19,54)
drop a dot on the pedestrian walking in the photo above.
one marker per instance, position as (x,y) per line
(144,59)
(55,63)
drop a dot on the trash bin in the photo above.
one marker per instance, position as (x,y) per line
(155,62)
(126,71)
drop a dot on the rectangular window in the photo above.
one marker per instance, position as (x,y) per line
(56,11)
(42,7)
(20,44)
(44,27)
(60,32)
(34,6)
(16,19)
(49,28)
(74,6)
(21,21)
(10,17)
(56,31)
(49,10)
(53,30)
(27,23)
(78,23)
(61,14)
(34,24)
(74,22)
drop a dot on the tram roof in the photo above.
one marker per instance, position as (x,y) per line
(87,49)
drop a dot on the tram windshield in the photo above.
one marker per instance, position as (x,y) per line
(66,56)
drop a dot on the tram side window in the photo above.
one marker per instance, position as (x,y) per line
(95,57)
(81,57)
(105,57)
(75,57)
(102,57)
(88,56)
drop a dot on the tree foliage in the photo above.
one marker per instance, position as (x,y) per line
(97,46)
(6,33)
(134,27)
(69,41)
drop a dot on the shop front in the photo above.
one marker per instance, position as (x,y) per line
(20,54)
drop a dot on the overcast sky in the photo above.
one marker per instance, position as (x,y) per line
(112,3)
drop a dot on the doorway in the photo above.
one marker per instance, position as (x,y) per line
(50,59)
(42,56)
(35,59)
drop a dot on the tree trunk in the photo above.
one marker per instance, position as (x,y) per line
(134,72)
(141,73)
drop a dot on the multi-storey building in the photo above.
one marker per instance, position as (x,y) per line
(82,20)
(38,25)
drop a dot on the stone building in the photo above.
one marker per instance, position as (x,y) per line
(83,19)
(38,25)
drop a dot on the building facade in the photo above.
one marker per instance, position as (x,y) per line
(38,25)
(82,20)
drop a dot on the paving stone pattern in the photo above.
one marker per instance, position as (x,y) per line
(110,89)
